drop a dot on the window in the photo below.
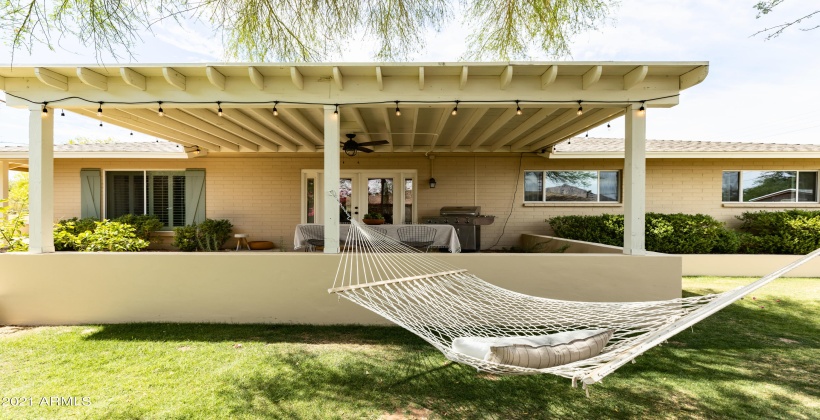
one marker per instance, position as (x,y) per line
(572,186)
(176,198)
(769,186)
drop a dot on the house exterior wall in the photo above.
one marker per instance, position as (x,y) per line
(261,194)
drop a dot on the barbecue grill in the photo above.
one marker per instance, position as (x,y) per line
(466,220)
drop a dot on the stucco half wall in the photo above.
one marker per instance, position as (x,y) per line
(75,288)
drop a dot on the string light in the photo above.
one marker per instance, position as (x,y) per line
(196,151)
(518,110)
(641,110)
(62,113)
(398,111)
(100,123)
(275,112)
(99,110)
(219,108)
(160,112)
(455,110)
(336,109)
(45,110)
(580,109)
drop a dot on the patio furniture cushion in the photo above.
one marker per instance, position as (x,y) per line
(536,352)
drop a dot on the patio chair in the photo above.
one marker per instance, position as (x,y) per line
(314,236)
(417,236)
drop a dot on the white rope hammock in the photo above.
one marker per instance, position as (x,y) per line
(441,303)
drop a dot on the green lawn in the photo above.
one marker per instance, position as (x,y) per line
(756,359)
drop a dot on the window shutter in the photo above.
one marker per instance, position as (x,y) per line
(90,188)
(194,196)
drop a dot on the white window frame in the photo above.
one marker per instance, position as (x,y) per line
(360,177)
(104,183)
(598,193)
(769,203)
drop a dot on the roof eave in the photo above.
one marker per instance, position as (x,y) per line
(688,155)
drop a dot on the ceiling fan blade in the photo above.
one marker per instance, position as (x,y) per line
(364,149)
(374,143)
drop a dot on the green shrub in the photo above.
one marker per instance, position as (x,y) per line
(143,224)
(668,233)
(780,232)
(605,229)
(67,230)
(207,236)
(110,236)
(12,221)
(687,234)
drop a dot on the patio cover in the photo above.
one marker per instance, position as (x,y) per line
(317,104)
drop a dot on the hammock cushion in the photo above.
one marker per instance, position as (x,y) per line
(535,352)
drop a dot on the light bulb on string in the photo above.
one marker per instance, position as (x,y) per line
(518,110)
(398,111)
(45,109)
(99,110)
(219,108)
(580,109)
(641,110)
(455,110)
(62,113)
(160,112)
(275,111)
(336,109)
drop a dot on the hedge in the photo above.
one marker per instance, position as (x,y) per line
(668,233)
(779,232)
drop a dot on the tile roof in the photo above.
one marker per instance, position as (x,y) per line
(604,145)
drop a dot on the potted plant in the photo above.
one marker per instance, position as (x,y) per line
(373,219)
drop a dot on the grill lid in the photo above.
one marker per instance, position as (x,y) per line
(460,211)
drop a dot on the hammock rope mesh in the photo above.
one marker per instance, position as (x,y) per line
(440,302)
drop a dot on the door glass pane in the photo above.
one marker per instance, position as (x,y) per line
(159,202)
(380,197)
(124,194)
(571,186)
(311,203)
(345,197)
(178,207)
(731,186)
(408,201)
(769,186)
(139,194)
(807,186)
(610,190)
(534,186)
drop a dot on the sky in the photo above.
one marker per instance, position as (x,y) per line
(756,90)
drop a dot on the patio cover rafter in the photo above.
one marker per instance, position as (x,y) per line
(367,95)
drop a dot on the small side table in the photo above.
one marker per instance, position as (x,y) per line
(242,238)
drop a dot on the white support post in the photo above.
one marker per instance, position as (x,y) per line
(331,181)
(635,182)
(4,181)
(41,180)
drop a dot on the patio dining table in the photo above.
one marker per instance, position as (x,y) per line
(446,236)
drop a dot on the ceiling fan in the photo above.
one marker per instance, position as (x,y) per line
(351,147)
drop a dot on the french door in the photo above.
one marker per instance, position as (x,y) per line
(389,193)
